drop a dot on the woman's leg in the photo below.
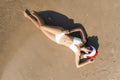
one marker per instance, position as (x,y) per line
(49,35)
(35,20)
(47,30)
(28,15)
(51,29)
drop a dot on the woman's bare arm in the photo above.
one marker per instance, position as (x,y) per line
(79,64)
(80,30)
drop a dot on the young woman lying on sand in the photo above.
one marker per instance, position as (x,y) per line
(83,55)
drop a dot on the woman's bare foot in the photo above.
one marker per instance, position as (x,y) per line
(27,13)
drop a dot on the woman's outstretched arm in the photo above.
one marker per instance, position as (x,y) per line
(81,64)
(80,30)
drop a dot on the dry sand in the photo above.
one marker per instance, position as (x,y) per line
(26,54)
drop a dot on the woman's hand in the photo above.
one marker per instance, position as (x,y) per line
(85,50)
(91,60)
(66,31)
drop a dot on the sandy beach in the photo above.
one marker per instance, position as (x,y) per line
(27,54)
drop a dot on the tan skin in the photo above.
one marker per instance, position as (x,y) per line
(51,31)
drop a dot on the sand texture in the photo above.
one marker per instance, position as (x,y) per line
(27,54)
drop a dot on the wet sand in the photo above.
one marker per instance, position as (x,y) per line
(27,54)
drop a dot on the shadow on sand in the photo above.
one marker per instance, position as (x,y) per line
(57,19)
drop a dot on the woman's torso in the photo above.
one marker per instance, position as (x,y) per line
(66,40)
